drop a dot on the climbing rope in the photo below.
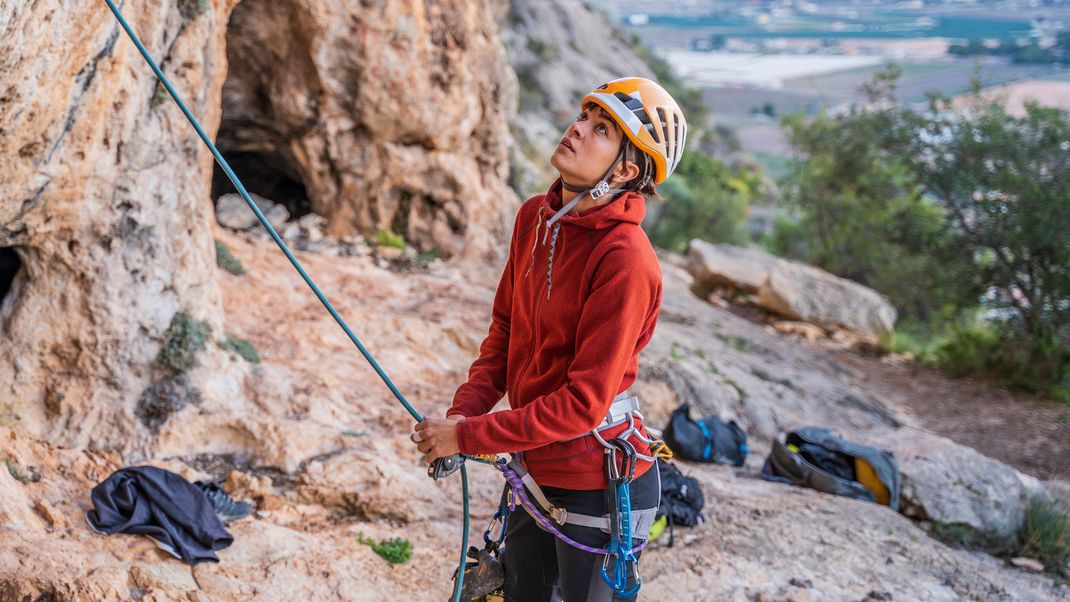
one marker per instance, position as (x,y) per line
(297,265)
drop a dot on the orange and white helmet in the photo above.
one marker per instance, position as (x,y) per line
(650,118)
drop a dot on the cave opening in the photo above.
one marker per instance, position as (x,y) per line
(10,264)
(264,174)
(258,125)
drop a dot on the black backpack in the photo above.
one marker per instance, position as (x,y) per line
(706,440)
(815,457)
(681,498)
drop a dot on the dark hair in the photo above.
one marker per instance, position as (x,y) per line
(644,182)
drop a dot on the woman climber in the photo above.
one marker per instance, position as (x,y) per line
(577,302)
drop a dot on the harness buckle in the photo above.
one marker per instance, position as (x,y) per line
(559,514)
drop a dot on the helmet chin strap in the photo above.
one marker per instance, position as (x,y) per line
(597,191)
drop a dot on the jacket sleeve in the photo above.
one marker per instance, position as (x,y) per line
(617,318)
(486,382)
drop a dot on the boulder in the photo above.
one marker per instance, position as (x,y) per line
(949,483)
(231,211)
(803,292)
(791,289)
(715,266)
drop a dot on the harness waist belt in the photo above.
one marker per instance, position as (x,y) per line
(623,405)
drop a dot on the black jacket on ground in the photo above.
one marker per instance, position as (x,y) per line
(145,500)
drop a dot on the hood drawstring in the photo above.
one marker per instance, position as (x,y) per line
(553,226)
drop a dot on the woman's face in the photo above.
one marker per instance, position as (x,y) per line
(589,147)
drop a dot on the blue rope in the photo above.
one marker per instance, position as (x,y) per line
(297,265)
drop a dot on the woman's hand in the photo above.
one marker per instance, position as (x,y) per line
(436,438)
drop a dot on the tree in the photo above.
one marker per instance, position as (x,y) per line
(704,199)
(935,206)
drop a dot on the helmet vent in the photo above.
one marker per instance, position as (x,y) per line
(635,105)
(664,124)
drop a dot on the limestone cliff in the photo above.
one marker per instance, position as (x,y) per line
(390,115)
(387,115)
(105,203)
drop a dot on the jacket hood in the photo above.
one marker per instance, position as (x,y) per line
(629,207)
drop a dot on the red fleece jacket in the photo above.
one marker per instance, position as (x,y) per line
(569,319)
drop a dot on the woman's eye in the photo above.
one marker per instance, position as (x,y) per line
(602,130)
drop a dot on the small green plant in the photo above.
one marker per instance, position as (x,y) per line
(762,374)
(185,337)
(427,256)
(732,383)
(226,260)
(675,353)
(18,475)
(159,95)
(389,238)
(191,9)
(960,535)
(543,50)
(242,347)
(1045,534)
(394,551)
(739,343)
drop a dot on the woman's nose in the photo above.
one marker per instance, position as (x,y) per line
(575,130)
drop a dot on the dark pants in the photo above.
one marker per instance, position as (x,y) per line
(539,567)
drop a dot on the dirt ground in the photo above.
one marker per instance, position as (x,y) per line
(1025,431)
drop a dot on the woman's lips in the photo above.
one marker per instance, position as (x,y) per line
(566,145)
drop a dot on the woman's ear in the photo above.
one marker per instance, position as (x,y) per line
(626,172)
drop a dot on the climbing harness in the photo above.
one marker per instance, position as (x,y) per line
(622,523)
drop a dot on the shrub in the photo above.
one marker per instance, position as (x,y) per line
(1045,535)
(394,551)
(226,260)
(388,238)
(184,338)
(242,347)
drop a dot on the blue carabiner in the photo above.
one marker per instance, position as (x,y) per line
(620,547)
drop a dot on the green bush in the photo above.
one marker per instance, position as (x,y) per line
(191,9)
(934,208)
(226,260)
(394,551)
(389,238)
(704,199)
(1045,535)
(544,51)
(242,347)
(185,337)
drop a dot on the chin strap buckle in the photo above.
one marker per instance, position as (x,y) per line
(600,189)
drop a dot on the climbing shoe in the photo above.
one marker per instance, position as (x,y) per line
(484,578)
(225,508)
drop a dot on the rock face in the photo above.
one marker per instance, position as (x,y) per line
(953,484)
(106,203)
(392,115)
(791,289)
